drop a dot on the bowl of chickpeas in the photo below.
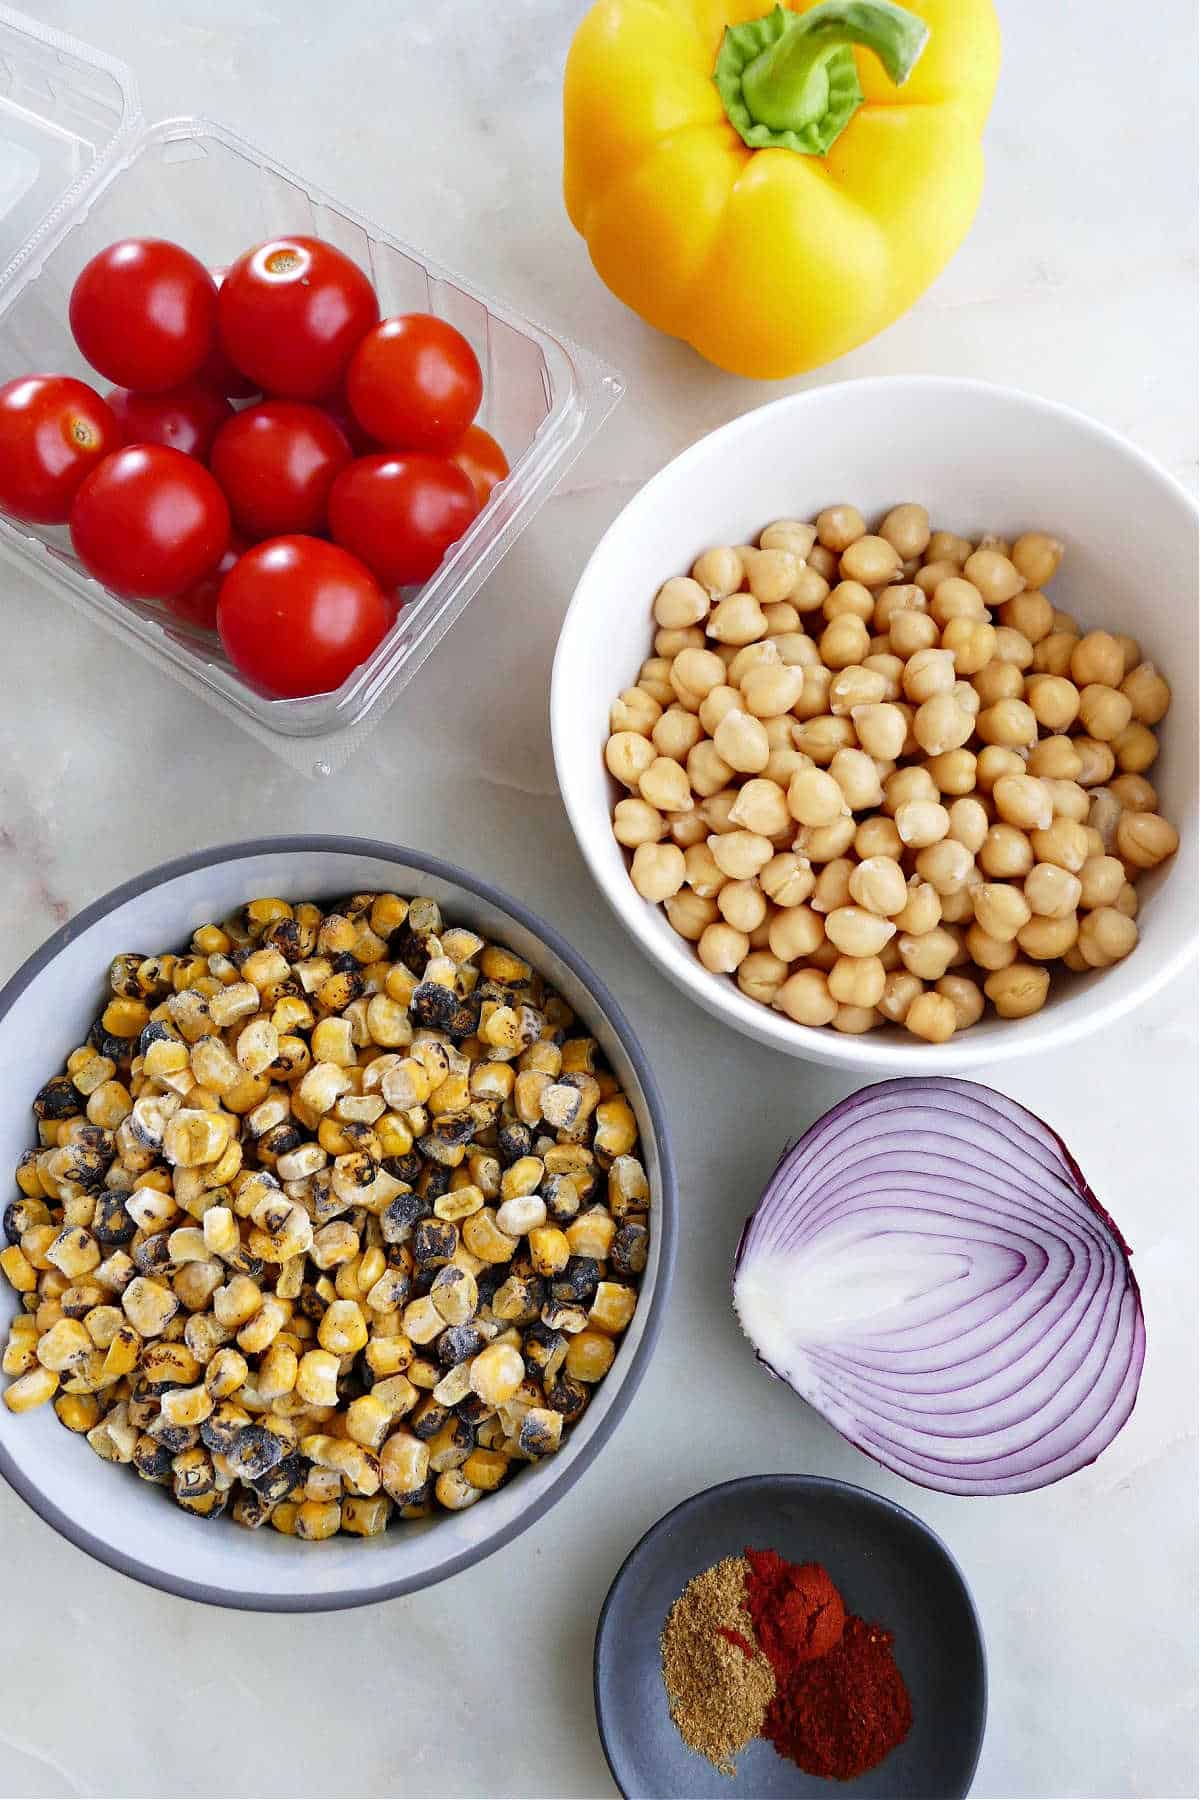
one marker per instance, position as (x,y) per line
(341,1225)
(874,717)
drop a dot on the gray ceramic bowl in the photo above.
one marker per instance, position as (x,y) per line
(47,1008)
(890,1568)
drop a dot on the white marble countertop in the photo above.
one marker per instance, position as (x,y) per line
(1078,281)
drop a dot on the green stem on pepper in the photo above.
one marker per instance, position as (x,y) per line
(788,80)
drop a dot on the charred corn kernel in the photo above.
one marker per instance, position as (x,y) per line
(333,1244)
(317,1378)
(148,1306)
(123,1353)
(403,1464)
(397,1393)
(343,1328)
(125,1018)
(540,1432)
(277,1372)
(368,1421)
(484,1238)
(193,1137)
(102,1322)
(323,1086)
(31,1390)
(365,1517)
(18,1270)
(186,1405)
(592,1233)
(549,1249)
(63,1345)
(20,1352)
(389,1355)
(458,1203)
(455,1492)
(226,1372)
(332,1042)
(616,1128)
(316,1519)
(78,1412)
(590,1355)
(219,1231)
(485,1469)
(73,1251)
(496,1373)
(422,1321)
(454,1386)
(260,1332)
(230,1004)
(613,1306)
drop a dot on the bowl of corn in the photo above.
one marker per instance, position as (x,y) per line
(874,717)
(343,1203)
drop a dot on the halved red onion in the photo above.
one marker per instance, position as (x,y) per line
(930,1270)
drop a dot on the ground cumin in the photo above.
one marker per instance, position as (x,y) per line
(718,1693)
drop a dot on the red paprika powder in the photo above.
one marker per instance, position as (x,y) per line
(840,1701)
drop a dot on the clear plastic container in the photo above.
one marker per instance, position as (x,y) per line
(78,168)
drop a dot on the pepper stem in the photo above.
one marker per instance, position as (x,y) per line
(789,80)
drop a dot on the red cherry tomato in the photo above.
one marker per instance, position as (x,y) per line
(401,514)
(54,430)
(144,312)
(480,457)
(149,522)
(277,462)
(199,605)
(296,615)
(291,313)
(415,384)
(184,418)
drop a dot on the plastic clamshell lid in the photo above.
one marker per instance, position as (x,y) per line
(65,112)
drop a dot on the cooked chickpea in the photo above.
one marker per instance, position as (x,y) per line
(636,822)
(762,806)
(1097,657)
(716,703)
(627,756)
(857,932)
(669,642)
(1006,853)
(701,871)
(932,1016)
(633,710)
(881,729)
(687,828)
(971,642)
(969,822)
(928,954)
(1145,840)
(657,871)
(871,560)
(1029,613)
(740,854)
(1135,793)
(1018,990)
(926,673)
(771,689)
(953,771)
(906,529)
(943,724)
(812,585)
(743,905)
(1127,900)
(1013,648)
(855,686)
(690,915)
(849,597)
(1069,799)
(1055,757)
(761,975)
(1052,654)
(798,651)
(822,737)
(858,778)
(1135,749)
(899,596)
(1104,712)
(695,672)
(814,798)
(737,620)
(877,836)
(998,681)
(665,785)
(789,534)
(988,952)
(839,526)
(955,598)
(1105,936)
(922,822)
(1008,723)
(739,661)
(825,843)
(787,879)
(1036,556)
(814,697)
(934,571)
(707,770)
(781,617)
(1147,692)
(878,884)
(994,575)
(1024,801)
(1000,909)
(823,560)
(965,996)
(1103,813)
(1052,892)
(1100,881)
(857,980)
(1047,940)
(1065,842)
(721,949)
(910,631)
(845,640)
(680,602)
(770,573)
(676,732)
(805,998)
(718,571)
(654,678)
(1054,701)
(742,742)
(922,909)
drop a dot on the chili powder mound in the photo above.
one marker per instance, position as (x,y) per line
(840,1702)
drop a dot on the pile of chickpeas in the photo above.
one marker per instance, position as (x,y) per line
(876,776)
(336,1217)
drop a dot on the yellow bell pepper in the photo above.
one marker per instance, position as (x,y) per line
(761,186)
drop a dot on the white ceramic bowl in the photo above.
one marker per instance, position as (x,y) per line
(981,458)
(48,1007)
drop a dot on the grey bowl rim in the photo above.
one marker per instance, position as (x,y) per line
(807,1483)
(292,1602)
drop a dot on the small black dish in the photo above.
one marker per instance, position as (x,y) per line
(889,1567)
